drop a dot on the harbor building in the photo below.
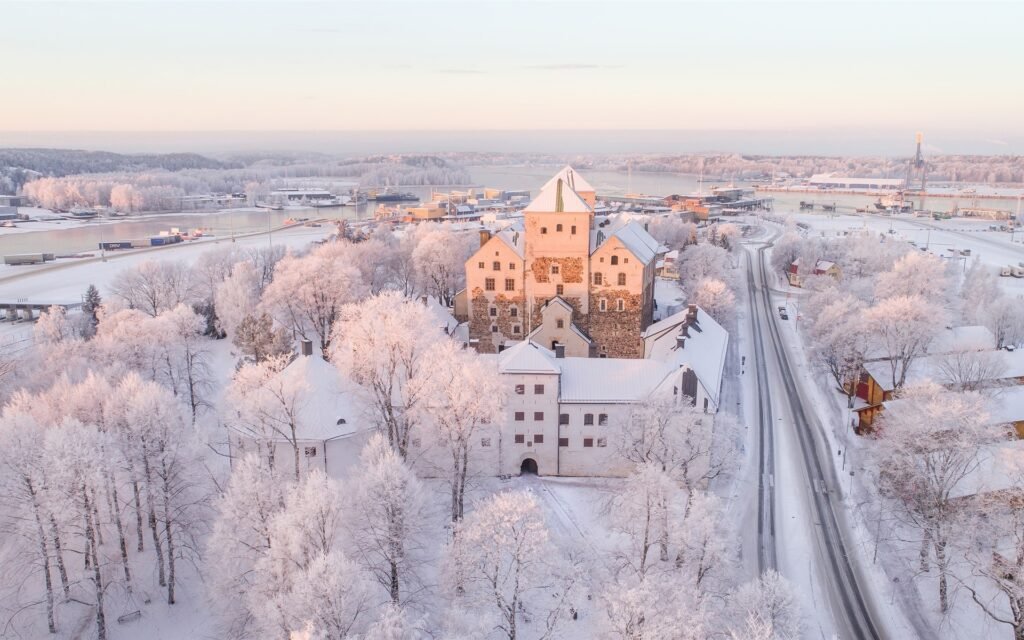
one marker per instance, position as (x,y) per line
(833,181)
(563,276)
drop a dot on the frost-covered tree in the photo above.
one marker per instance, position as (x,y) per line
(766,608)
(269,403)
(715,297)
(465,393)
(383,347)
(926,450)
(655,607)
(672,231)
(903,327)
(916,274)
(440,258)
(153,287)
(502,564)
(307,294)
(649,505)
(236,296)
(90,308)
(387,519)
(840,340)
(703,261)
(258,338)
(1005,317)
(969,370)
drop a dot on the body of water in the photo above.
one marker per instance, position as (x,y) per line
(78,237)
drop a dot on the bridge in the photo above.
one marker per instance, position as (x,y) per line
(25,309)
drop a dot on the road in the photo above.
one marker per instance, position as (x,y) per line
(781,407)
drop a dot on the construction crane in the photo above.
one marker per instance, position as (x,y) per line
(917,166)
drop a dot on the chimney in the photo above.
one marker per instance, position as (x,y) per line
(307,347)
(559,350)
(691,311)
(680,342)
(423,299)
(685,327)
(485,235)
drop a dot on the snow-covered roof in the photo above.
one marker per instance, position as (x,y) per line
(328,399)
(548,199)
(611,380)
(513,236)
(444,318)
(1011,365)
(703,351)
(527,357)
(975,337)
(1000,467)
(570,177)
(638,241)
(1003,407)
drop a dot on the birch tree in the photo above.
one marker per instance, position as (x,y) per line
(903,327)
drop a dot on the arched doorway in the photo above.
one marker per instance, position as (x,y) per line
(528,468)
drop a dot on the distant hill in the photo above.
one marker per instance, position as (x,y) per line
(18,166)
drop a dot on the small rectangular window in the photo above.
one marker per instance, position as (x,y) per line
(520,416)
(496,266)
(615,260)
(494,328)
(538,416)
(597,277)
(560,323)
(489,284)
(493,311)
(543,230)
(538,389)
(602,305)
(511,266)
(602,420)
(520,389)
(514,312)
(485,442)
(538,438)
(554,269)
(310,452)
(510,284)
(622,279)
(572,229)
(588,442)
(480,265)
(588,418)
(558,228)
(620,304)
(563,442)
(520,438)
(602,442)
(625,261)
(559,289)
(563,418)
(515,329)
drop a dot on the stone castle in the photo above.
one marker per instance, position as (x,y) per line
(563,277)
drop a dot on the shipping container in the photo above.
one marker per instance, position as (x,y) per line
(159,241)
(29,258)
(120,244)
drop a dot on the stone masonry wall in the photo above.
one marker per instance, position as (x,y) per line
(481,321)
(570,269)
(618,332)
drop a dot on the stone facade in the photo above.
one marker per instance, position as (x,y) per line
(505,313)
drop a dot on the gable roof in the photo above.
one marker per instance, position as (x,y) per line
(527,357)
(557,197)
(638,241)
(575,181)
(704,350)
(514,237)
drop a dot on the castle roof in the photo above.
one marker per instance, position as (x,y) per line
(558,196)
(569,176)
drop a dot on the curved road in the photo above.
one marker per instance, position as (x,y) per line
(851,607)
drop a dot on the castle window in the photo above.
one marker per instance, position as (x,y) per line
(597,277)
(513,311)
(559,289)
(511,266)
(515,329)
(622,279)
(538,416)
(480,265)
(538,438)
(602,305)
(494,328)
(520,438)
(493,311)
(588,419)
(543,230)
(615,260)
(558,228)
(572,229)
(560,323)
(620,304)
(588,442)
(563,442)
(496,266)
(602,420)
(485,442)
(510,284)
(602,442)
(489,284)
(538,389)
(520,416)
(520,389)
(554,269)
(625,261)
(563,418)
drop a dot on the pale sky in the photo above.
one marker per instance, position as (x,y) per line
(172,66)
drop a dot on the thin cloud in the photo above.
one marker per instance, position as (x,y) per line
(571,66)
(460,71)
